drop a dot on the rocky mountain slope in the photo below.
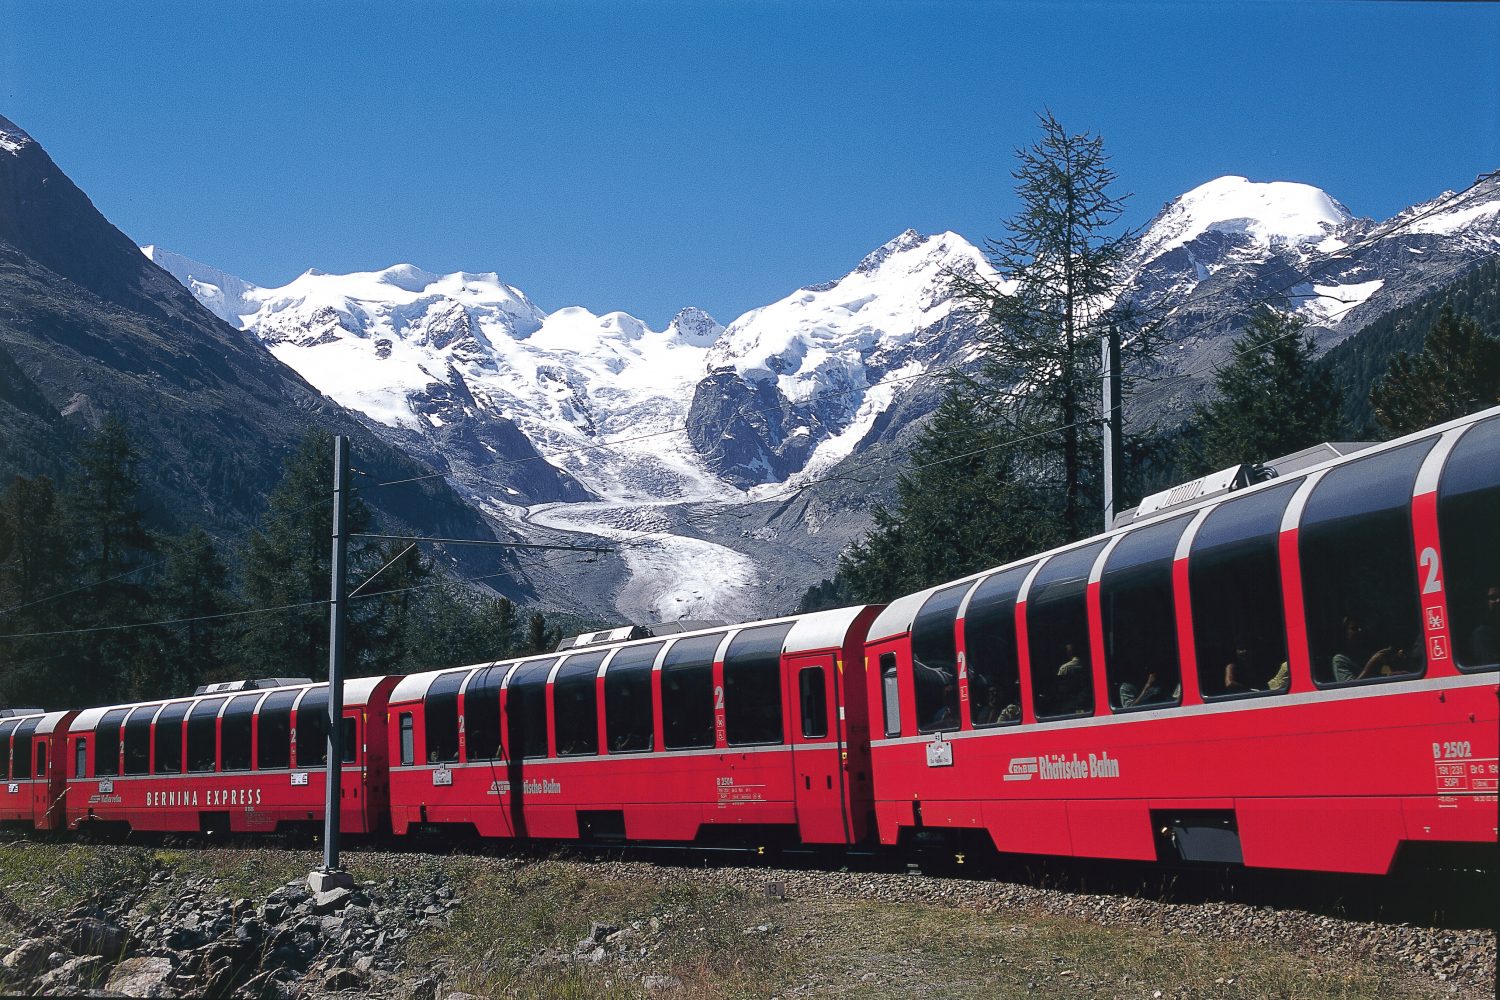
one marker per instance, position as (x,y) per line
(88,326)
(702,450)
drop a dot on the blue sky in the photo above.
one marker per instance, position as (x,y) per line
(650,155)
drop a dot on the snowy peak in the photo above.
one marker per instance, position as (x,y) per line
(13,138)
(694,327)
(1264,214)
(226,296)
(1451,214)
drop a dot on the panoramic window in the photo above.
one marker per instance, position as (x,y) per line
(440,715)
(234,733)
(107,742)
(1469,519)
(526,709)
(687,693)
(575,705)
(138,740)
(273,744)
(7,728)
(482,713)
(312,728)
(20,752)
(812,687)
(1234,577)
(934,660)
(168,738)
(990,653)
(203,735)
(752,686)
(1057,625)
(1139,618)
(1359,572)
(628,718)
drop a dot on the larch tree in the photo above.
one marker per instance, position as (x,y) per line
(1272,399)
(1457,373)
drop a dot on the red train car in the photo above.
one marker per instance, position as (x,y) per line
(33,792)
(1297,674)
(230,759)
(664,739)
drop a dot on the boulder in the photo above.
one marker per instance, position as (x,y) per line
(93,936)
(142,977)
(30,956)
(82,972)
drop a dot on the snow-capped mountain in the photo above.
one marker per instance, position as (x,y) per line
(596,424)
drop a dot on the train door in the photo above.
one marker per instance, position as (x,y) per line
(821,780)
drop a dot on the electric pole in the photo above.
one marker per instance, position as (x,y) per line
(1113,431)
(331,876)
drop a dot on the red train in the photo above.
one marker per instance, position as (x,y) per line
(1293,673)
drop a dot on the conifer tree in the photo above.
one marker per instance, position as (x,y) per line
(288,562)
(960,507)
(1457,373)
(194,583)
(37,568)
(1044,324)
(1272,399)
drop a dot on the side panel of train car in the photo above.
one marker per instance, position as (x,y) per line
(241,762)
(31,766)
(1300,675)
(657,740)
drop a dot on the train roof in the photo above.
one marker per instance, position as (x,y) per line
(899,615)
(809,632)
(51,721)
(357,691)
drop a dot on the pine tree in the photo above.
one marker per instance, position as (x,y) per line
(1272,399)
(288,562)
(1043,331)
(194,583)
(37,568)
(960,507)
(110,530)
(536,634)
(1457,373)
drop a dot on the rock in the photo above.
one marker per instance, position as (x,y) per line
(333,899)
(29,957)
(424,989)
(660,984)
(76,973)
(598,932)
(464,996)
(272,913)
(339,980)
(141,977)
(93,936)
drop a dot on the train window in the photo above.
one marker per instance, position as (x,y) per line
(7,728)
(107,742)
(628,719)
(687,693)
(138,740)
(41,758)
(812,686)
(1468,502)
(1359,573)
(890,693)
(408,740)
(990,656)
(20,752)
(1057,627)
(202,735)
(1234,579)
(234,733)
(752,686)
(934,660)
(482,713)
(440,714)
(80,759)
(273,742)
(349,741)
(575,704)
(1139,618)
(526,709)
(312,728)
(168,737)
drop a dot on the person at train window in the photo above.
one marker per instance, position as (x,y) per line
(1010,712)
(1355,662)
(1072,676)
(1484,643)
(1234,679)
(986,708)
(945,716)
(1150,693)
